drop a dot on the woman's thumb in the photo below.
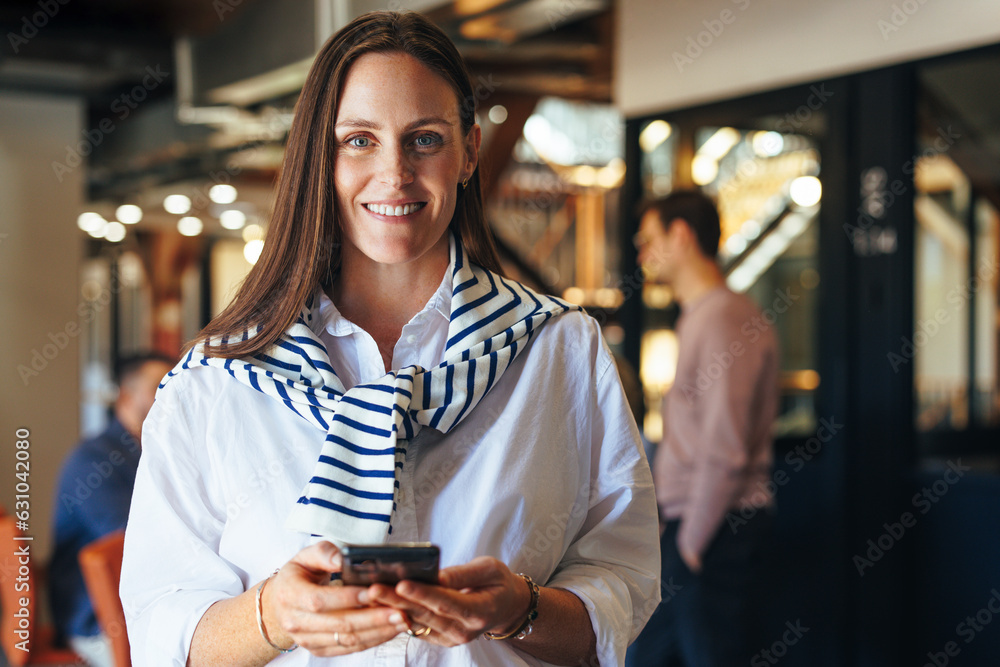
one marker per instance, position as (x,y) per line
(319,558)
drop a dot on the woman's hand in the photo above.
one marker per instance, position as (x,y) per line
(300,607)
(480,596)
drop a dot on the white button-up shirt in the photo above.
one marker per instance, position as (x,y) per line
(546,474)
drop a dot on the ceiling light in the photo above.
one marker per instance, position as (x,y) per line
(190,226)
(549,142)
(654,134)
(806,191)
(498,114)
(750,229)
(252,250)
(659,353)
(585,175)
(610,175)
(99,227)
(735,244)
(232,219)
(222,194)
(704,169)
(177,204)
(253,233)
(129,213)
(768,144)
(114,232)
(90,221)
(719,143)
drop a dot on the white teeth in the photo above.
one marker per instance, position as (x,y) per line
(393,211)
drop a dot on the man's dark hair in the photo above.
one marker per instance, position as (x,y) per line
(130,365)
(697,210)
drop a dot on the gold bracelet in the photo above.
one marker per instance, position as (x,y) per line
(260,620)
(524,629)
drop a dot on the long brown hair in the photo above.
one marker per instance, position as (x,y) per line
(302,249)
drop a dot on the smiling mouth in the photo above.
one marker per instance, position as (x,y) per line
(393,211)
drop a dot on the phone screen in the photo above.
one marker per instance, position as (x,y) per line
(365,564)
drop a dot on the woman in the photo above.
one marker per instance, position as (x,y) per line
(374,381)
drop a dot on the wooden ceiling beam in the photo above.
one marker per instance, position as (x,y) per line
(494,159)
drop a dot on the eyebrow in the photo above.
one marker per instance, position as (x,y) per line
(371,125)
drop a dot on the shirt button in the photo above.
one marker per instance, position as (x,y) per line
(412,338)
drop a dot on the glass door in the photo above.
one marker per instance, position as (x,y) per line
(764,174)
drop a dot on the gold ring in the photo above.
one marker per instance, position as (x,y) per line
(422,632)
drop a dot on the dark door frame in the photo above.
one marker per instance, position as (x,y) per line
(865,307)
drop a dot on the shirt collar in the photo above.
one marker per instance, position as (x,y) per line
(336,324)
(691,306)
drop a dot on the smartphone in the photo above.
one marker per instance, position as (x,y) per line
(365,564)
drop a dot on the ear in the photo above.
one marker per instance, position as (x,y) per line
(682,233)
(472,142)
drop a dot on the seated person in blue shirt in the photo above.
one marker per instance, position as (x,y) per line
(93,496)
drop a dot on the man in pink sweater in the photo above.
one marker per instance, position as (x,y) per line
(716,453)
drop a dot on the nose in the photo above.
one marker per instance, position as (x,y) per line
(395,167)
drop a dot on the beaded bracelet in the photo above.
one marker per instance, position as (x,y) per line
(260,620)
(524,629)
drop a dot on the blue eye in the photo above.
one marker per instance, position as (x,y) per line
(359,142)
(425,140)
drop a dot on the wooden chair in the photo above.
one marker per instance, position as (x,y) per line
(101,564)
(18,584)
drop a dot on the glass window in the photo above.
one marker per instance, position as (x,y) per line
(555,210)
(939,343)
(957,247)
(766,186)
(986,406)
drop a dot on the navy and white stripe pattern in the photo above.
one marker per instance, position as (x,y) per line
(350,497)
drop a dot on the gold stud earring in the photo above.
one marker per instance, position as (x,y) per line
(465,183)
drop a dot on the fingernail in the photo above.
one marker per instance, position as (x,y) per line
(363,597)
(396,618)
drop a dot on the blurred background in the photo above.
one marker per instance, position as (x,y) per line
(853,148)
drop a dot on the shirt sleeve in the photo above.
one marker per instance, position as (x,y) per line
(723,454)
(171,571)
(613,564)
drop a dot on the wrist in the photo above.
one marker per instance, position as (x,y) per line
(520,610)
(268,626)
(520,627)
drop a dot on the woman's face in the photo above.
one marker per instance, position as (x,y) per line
(401,155)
